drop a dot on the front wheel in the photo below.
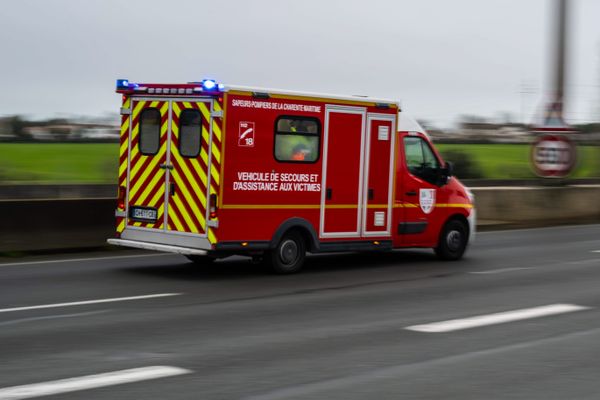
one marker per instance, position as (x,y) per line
(288,257)
(453,241)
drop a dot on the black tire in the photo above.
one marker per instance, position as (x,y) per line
(453,240)
(201,260)
(288,257)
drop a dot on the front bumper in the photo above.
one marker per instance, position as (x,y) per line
(472,219)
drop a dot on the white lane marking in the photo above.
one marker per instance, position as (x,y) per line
(83,259)
(47,317)
(595,251)
(496,318)
(85,302)
(500,271)
(90,382)
(404,372)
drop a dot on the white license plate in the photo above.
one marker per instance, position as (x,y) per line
(147,214)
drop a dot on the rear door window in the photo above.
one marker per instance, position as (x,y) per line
(149,131)
(190,131)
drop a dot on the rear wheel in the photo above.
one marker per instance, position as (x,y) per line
(288,257)
(453,240)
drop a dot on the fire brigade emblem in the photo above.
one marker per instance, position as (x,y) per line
(427,200)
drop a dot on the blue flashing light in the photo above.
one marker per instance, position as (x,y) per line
(209,84)
(122,84)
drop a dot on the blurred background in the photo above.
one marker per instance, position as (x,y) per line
(475,74)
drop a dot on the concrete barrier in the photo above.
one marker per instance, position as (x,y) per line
(40,224)
(29,225)
(533,206)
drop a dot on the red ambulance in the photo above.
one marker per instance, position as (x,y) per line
(210,170)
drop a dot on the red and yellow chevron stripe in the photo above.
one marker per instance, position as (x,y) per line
(194,178)
(216,158)
(147,179)
(187,209)
(123,152)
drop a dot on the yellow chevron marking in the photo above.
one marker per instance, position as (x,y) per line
(122,170)
(121,226)
(204,156)
(138,107)
(211,236)
(127,102)
(156,158)
(178,226)
(176,108)
(180,180)
(155,181)
(164,109)
(125,126)
(178,203)
(139,179)
(217,106)
(153,104)
(135,171)
(204,110)
(201,173)
(216,153)
(216,130)
(205,135)
(214,173)
(123,148)
(160,195)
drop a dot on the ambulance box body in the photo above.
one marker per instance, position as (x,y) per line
(209,170)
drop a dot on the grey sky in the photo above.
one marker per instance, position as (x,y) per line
(440,58)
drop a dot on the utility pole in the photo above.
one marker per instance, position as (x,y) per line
(561,16)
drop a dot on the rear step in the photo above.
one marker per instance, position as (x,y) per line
(157,247)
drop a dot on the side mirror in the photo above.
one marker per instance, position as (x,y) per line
(445,173)
(449,170)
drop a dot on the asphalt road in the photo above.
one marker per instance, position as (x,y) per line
(348,327)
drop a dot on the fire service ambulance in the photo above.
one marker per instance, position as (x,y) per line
(210,170)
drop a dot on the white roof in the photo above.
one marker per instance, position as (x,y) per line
(406,123)
(312,94)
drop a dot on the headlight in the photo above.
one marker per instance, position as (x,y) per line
(470,195)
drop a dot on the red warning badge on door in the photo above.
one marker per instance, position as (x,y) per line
(246,134)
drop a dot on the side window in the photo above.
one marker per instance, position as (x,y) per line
(420,159)
(297,139)
(149,131)
(190,133)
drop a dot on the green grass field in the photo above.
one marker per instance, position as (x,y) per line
(97,163)
(511,161)
(58,162)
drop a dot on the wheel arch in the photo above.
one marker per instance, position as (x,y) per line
(301,225)
(457,217)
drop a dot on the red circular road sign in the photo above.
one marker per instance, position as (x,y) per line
(553,156)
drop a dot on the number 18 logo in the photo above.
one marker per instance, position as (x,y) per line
(246,134)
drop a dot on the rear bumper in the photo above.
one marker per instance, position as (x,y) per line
(157,247)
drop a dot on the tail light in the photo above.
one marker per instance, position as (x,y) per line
(121,198)
(213,206)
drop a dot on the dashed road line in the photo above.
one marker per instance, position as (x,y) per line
(90,382)
(500,271)
(86,302)
(51,317)
(14,264)
(496,318)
